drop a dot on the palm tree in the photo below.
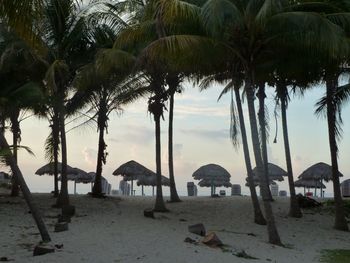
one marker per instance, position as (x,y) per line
(66,40)
(106,87)
(25,95)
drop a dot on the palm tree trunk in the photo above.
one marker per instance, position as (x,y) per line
(340,220)
(159,205)
(15,128)
(258,216)
(63,197)
(174,197)
(271,226)
(97,189)
(56,141)
(294,210)
(262,123)
(26,192)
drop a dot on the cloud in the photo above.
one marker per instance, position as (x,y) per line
(90,156)
(201,110)
(137,134)
(212,134)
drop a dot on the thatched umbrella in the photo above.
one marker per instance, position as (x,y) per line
(309,183)
(212,173)
(319,171)
(78,176)
(131,171)
(256,181)
(49,169)
(215,183)
(151,180)
(276,173)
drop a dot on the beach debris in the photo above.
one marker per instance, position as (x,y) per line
(5,259)
(60,227)
(58,246)
(182,220)
(64,218)
(212,240)
(197,229)
(43,249)
(190,240)
(243,254)
(68,210)
(148,212)
(307,202)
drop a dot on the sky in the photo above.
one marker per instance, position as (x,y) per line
(201,136)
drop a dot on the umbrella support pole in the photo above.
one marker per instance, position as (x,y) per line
(321,188)
(75,187)
(132,187)
(152,190)
(304,191)
(316,191)
(142,190)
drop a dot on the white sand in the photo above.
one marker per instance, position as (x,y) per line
(115,230)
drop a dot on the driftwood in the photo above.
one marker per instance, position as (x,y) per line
(212,240)
(148,213)
(42,250)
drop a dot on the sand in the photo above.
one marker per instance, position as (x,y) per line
(115,230)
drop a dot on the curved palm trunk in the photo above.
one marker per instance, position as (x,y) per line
(174,197)
(340,220)
(159,205)
(63,197)
(271,226)
(294,210)
(258,216)
(262,123)
(26,192)
(15,128)
(56,141)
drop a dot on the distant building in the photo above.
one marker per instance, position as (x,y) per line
(236,189)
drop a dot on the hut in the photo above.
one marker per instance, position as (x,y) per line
(131,171)
(212,175)
(151,180)
(309,183)
(319,172)
(345,188)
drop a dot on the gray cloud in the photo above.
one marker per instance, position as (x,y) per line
(208,133)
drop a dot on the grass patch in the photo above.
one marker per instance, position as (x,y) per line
(330,205)
(335,256)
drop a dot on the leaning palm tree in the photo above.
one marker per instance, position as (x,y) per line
(24,95)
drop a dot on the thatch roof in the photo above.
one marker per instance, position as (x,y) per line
(275,172)
(309,183)
(214,182)
(82,177)
(318,171)
(257,182)
(211,171)
(151,180)
(132,170)
(49,169)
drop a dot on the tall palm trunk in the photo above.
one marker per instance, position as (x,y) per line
(101,158)
(294,210)
(271,226)
(63,197)
(159,205)
(26,192)
(262,123)
(15,128)
(258,216)
(340,220)
(174,197)
(56,141)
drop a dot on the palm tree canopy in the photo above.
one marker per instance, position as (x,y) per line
(211,171)
(318,171)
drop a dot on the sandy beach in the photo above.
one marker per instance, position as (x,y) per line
(115,230)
